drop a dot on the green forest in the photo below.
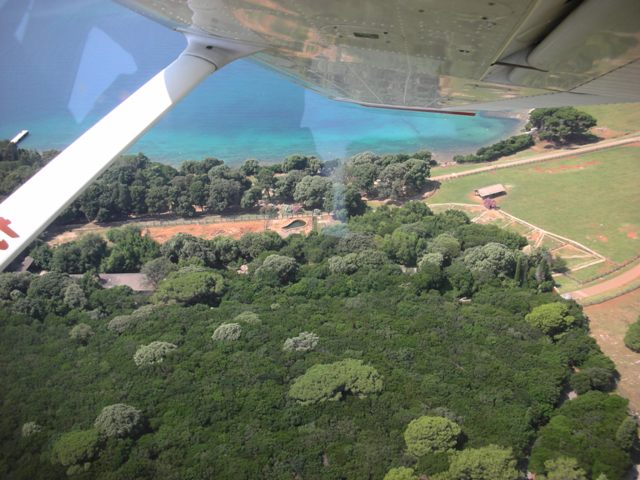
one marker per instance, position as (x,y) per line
(331,358)
(136,186)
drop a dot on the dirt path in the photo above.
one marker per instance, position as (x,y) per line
(543,158)
(608,323)
(615,282)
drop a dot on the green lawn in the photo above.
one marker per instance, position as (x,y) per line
(623,118)
(463,167)
(592,198)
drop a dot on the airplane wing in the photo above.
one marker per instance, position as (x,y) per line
(434,54)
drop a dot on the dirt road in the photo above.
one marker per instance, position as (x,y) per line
(543,157)
(603,287)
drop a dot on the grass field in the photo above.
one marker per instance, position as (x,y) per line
(463,167)
(592,198)
(622,118)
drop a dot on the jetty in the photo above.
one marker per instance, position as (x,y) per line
(19,137)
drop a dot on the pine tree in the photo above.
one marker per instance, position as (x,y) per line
(518,275)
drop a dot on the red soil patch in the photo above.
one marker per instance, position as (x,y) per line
(473,197)
(602,238)
(232,229)
(629,231)
(564,168)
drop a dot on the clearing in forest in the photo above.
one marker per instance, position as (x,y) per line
(577,256)
(591,198)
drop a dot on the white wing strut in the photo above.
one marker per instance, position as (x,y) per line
(31,208)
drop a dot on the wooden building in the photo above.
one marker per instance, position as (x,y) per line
(491,191)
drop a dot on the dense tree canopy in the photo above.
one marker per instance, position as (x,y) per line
(552,318)
(502,148)
(561,124)
(254,402)
(585,429)
(333,381)
(118,420)
(563,468)
(632,336)
(401,473)
(431,435)
(75,449)
(490,462)
(197,286)
(152,354)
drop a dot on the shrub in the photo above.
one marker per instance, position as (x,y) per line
(400,473)
(490,462)
(632,337)
(157,269)
(332,381)
(551,318)
(302,343)
(435,258)
(490,260)
(249,318)
(352,262)
(118,420)
(30,428)
(190,287)
(76,447)
(277,269)
(431,435)
(74,296)
(445,244)
(343,264)
(144,312)
(563,468)
(627,434)
(227,332)
(153,353)
(120,323)
(81,333)
(14,281)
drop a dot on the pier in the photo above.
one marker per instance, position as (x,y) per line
(20,136)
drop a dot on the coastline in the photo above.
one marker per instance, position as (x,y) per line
(519,117)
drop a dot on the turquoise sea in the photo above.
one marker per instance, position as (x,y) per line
(65,63)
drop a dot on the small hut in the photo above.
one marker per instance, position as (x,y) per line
(491,191)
